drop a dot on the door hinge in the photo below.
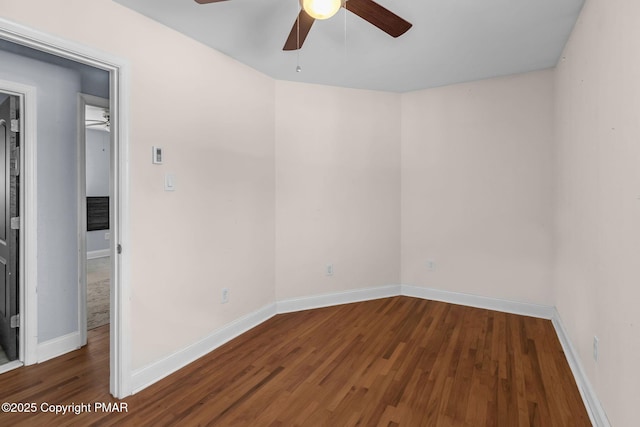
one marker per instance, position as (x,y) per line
(15,223)
(15,162)
(15,125)
(15,321)
(119,248)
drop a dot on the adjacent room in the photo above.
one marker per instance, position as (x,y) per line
(407,213)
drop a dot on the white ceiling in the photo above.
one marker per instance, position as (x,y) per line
(451,41)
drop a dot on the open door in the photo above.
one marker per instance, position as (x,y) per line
(94,191)
(9,226)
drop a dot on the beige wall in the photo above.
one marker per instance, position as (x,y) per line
(597,281)
(337,189)
(214,119)
(477,187)
(476,191)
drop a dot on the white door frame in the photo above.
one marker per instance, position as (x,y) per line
(120,331)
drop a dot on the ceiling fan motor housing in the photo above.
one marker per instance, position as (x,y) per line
(321,9)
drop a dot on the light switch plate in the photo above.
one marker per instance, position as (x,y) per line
(169,182)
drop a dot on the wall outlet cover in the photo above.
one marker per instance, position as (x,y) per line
(329,270)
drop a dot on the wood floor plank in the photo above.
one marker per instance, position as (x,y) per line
(390,362)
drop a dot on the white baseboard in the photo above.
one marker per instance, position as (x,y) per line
(150,374)
(9,366)
(98,254)
(58,346)
(592,403)
(506,306)
(346,297)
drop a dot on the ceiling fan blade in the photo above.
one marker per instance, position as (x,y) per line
(208,1)
(377,15)
(295,39)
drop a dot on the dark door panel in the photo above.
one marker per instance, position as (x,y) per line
(9,202)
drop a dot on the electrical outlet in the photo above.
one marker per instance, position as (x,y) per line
(107,236)
(431,264)
(329,270)
(225,295)
(596,343)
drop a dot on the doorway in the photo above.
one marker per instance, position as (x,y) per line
(120,334)
(94,200)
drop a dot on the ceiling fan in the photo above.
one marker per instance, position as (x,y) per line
(311,10)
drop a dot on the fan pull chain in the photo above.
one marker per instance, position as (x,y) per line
(345,32)
(298,67)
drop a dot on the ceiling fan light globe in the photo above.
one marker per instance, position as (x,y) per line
(321,9)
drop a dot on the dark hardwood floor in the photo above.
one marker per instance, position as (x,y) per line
(392,362)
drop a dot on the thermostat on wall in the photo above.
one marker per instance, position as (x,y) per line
(157,155)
